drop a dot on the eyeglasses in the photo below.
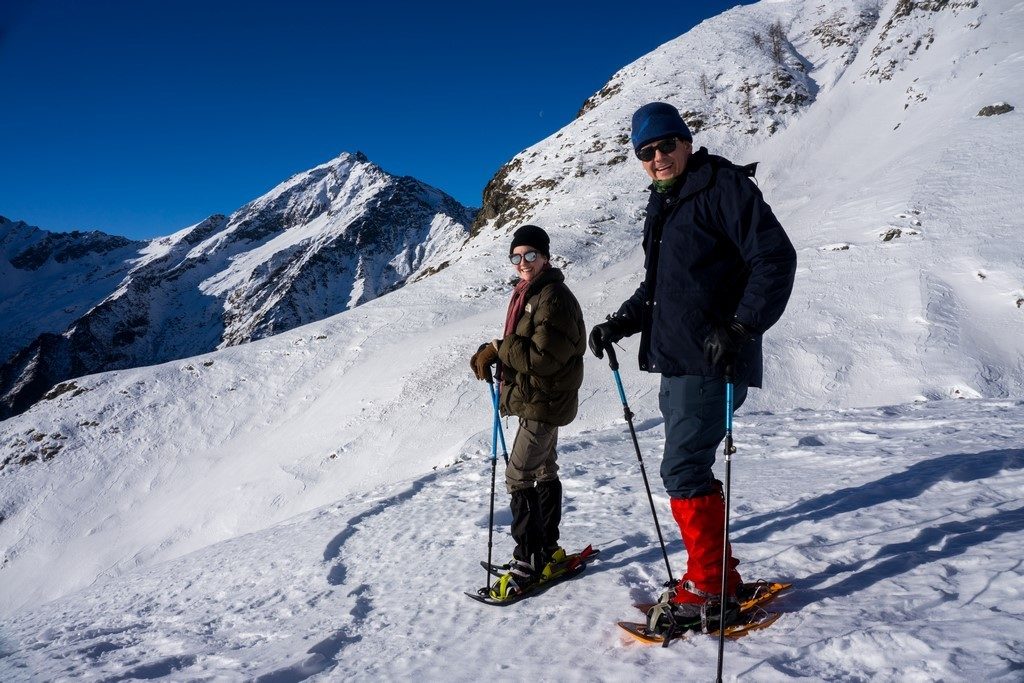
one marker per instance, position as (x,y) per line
(516,259)
(664,146)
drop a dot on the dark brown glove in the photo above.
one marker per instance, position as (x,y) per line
(482,360)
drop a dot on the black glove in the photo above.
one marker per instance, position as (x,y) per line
(605,334)
(724,343)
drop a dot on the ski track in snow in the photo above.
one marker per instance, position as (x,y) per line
(900,527)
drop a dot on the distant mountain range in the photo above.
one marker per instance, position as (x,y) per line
(319,243)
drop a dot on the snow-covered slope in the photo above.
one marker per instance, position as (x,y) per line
(321,242)
(118,478)
(903,537)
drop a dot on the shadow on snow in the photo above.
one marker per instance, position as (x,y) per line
(930,545)
(910,483)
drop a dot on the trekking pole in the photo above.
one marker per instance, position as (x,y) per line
(614,363)
(495,425)
(729,450)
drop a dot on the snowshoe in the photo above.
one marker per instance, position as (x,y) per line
(668,618)
(751,616)
(514,589)
(555,564)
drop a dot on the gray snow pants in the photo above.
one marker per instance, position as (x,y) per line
(694,412)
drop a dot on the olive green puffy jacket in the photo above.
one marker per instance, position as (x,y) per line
(542,361)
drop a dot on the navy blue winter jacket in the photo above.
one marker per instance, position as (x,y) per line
(714,252)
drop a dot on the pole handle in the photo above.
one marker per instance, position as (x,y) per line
(613,361)
(499,432)
(495,423)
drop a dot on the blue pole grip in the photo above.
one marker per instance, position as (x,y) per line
(618,384)
(496,426)
(728,406)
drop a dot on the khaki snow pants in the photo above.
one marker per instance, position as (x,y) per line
(533,455)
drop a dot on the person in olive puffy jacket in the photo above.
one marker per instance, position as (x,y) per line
(540,370)
(719,270)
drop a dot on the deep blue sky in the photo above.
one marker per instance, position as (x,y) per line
(139,117)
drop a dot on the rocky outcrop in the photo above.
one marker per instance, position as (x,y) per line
(66,247)
(909,30)
(995,109)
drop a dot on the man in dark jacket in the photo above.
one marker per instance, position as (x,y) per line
(541,371)
(718,273)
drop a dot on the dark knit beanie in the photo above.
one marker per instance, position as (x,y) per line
(656,121)
(531,236)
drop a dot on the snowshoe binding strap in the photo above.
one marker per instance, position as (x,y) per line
(520,577)
(706,622)
(505,587)
(752,590)
(662,619)
(710,612)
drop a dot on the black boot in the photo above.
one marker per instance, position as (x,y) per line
(527,526)
(549,495)
(527,563)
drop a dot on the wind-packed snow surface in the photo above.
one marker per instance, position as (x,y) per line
(900,526)
(314,503)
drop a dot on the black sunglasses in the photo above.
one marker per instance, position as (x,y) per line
(516,259)
(664,146)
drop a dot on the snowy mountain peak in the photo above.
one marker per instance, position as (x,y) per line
(327,239)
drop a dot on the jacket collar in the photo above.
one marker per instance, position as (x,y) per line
(547,276)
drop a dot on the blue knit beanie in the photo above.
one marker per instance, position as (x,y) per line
(656,121)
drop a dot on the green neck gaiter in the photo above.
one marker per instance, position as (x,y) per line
(664,185)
